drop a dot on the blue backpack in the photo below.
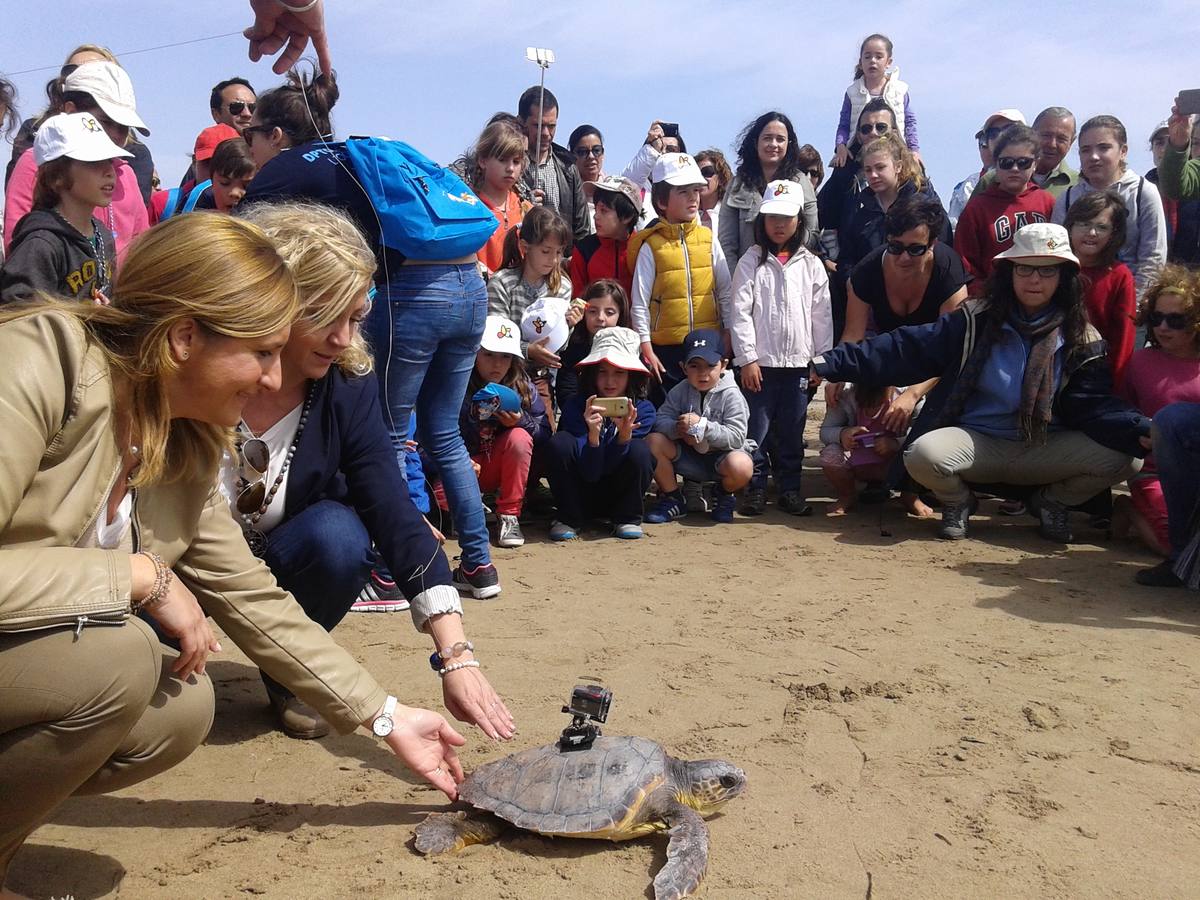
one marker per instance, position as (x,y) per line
(189,204)
(426,212)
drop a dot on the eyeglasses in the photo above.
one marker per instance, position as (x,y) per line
(812,173)
(236,106)
(1044,272)
(1098,227)
(1174,321)
(876,128)
(898,249)
(992,133)
(67,70)
(1021,162)
(255,457)
(585,152)
(250,130)
(708,171)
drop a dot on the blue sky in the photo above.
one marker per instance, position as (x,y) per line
(431,74)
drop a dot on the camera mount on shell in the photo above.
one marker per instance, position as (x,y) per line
(588,702)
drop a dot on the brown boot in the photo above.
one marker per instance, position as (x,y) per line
(296,718)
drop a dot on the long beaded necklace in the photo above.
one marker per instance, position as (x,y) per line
(100,252)
(255,537)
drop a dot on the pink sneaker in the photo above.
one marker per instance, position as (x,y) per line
(379,594)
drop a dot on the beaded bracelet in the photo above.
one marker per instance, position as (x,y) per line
(162,582)
(457,649)
(298,9)
(453,667)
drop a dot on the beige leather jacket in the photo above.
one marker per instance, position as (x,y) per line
(59,462)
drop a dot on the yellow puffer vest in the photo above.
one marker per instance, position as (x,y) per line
(684,294)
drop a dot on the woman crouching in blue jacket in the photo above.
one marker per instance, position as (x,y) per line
(1024,396)
(316,481)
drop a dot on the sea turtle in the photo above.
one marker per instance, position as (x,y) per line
(617,789)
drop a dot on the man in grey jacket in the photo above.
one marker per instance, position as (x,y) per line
(554,173)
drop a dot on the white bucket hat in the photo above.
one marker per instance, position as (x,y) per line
(1040,244)
(782,198)
(501,335)
(677,169)
(76,135)
(618,347)
(546,317)
(112,90)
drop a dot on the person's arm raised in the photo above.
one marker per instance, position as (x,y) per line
(288,27)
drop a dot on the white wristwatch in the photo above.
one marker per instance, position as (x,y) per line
(383,724)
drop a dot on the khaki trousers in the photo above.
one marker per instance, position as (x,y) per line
(1072,467)
(88,715)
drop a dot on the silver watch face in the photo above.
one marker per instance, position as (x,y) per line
(382,726)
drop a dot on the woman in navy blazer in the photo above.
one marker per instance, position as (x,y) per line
(329,486)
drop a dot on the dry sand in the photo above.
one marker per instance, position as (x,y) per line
(917,719)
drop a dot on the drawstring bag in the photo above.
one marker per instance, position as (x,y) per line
(426,212)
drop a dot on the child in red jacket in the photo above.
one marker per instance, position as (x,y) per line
(602,255)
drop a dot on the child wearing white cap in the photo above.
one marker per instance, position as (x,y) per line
(60,247)
(681,281)
(780,318)
(501,443)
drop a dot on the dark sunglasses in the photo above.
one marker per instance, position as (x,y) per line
(992,133)
(877,128)
(708,171)
(250,130)
(235,107)
(255,459)
(1174,321)
(897,249)
(811,173)
(67,69)
(1020,162)
(585,152)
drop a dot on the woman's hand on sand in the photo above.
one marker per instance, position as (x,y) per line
(425,742)
(472,699)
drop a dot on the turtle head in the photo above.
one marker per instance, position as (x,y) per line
(708,784)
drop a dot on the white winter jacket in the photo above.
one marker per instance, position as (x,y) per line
(781,315)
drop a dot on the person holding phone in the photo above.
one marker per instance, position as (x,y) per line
(598,463)
(1179,175)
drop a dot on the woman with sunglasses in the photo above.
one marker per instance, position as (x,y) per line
(316,482)
(1024,393)
(115,419)
(1167,371)
(1013,200)
(587,146)
(767,151)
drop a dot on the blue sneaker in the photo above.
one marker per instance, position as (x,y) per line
(670,507)
(561,531)
(723,507)
(628,531)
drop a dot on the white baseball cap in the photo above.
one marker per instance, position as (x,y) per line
(77,135)
(677,169)
(1012,115)
(546,317)
(501,335)
(110,87)
(1040,244)
(782,198)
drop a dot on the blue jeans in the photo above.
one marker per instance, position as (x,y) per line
(425,330)
(1177,454)
(322,557)
(777,414)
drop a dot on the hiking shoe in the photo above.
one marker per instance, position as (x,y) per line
(296,718)
(1055,519)
(1163,575)
(510,532)
(628,531)
(669,507)
(954,519)
(561,531)
(482,582)
(755,502)
(793,502)
(694,497)
(379,594)
(723,508)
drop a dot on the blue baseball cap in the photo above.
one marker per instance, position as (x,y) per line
(703,343)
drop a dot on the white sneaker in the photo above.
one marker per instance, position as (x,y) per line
(510,532)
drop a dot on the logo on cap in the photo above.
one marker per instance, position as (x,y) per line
(781,189)
(696,344)
(91,125)
(538,324)
(1051,243)
(504,332)
(684,159)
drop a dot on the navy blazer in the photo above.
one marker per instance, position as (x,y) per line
(345,453)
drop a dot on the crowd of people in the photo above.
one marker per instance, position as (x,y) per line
(248,398)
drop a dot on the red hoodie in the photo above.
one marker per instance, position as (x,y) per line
(988,223)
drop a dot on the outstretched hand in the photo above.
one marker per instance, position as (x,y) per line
(425,742)
(276,28)
(471,698)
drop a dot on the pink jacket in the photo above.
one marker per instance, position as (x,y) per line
(129,217)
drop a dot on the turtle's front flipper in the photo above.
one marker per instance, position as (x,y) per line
(687,853)
(450,832)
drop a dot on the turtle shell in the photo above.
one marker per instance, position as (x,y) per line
(598,792)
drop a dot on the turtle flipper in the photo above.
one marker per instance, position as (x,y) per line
(452,831)
(687,854)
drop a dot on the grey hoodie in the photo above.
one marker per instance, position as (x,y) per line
(48,254)
(723,408)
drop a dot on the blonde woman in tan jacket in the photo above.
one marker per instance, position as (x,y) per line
(114,420)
